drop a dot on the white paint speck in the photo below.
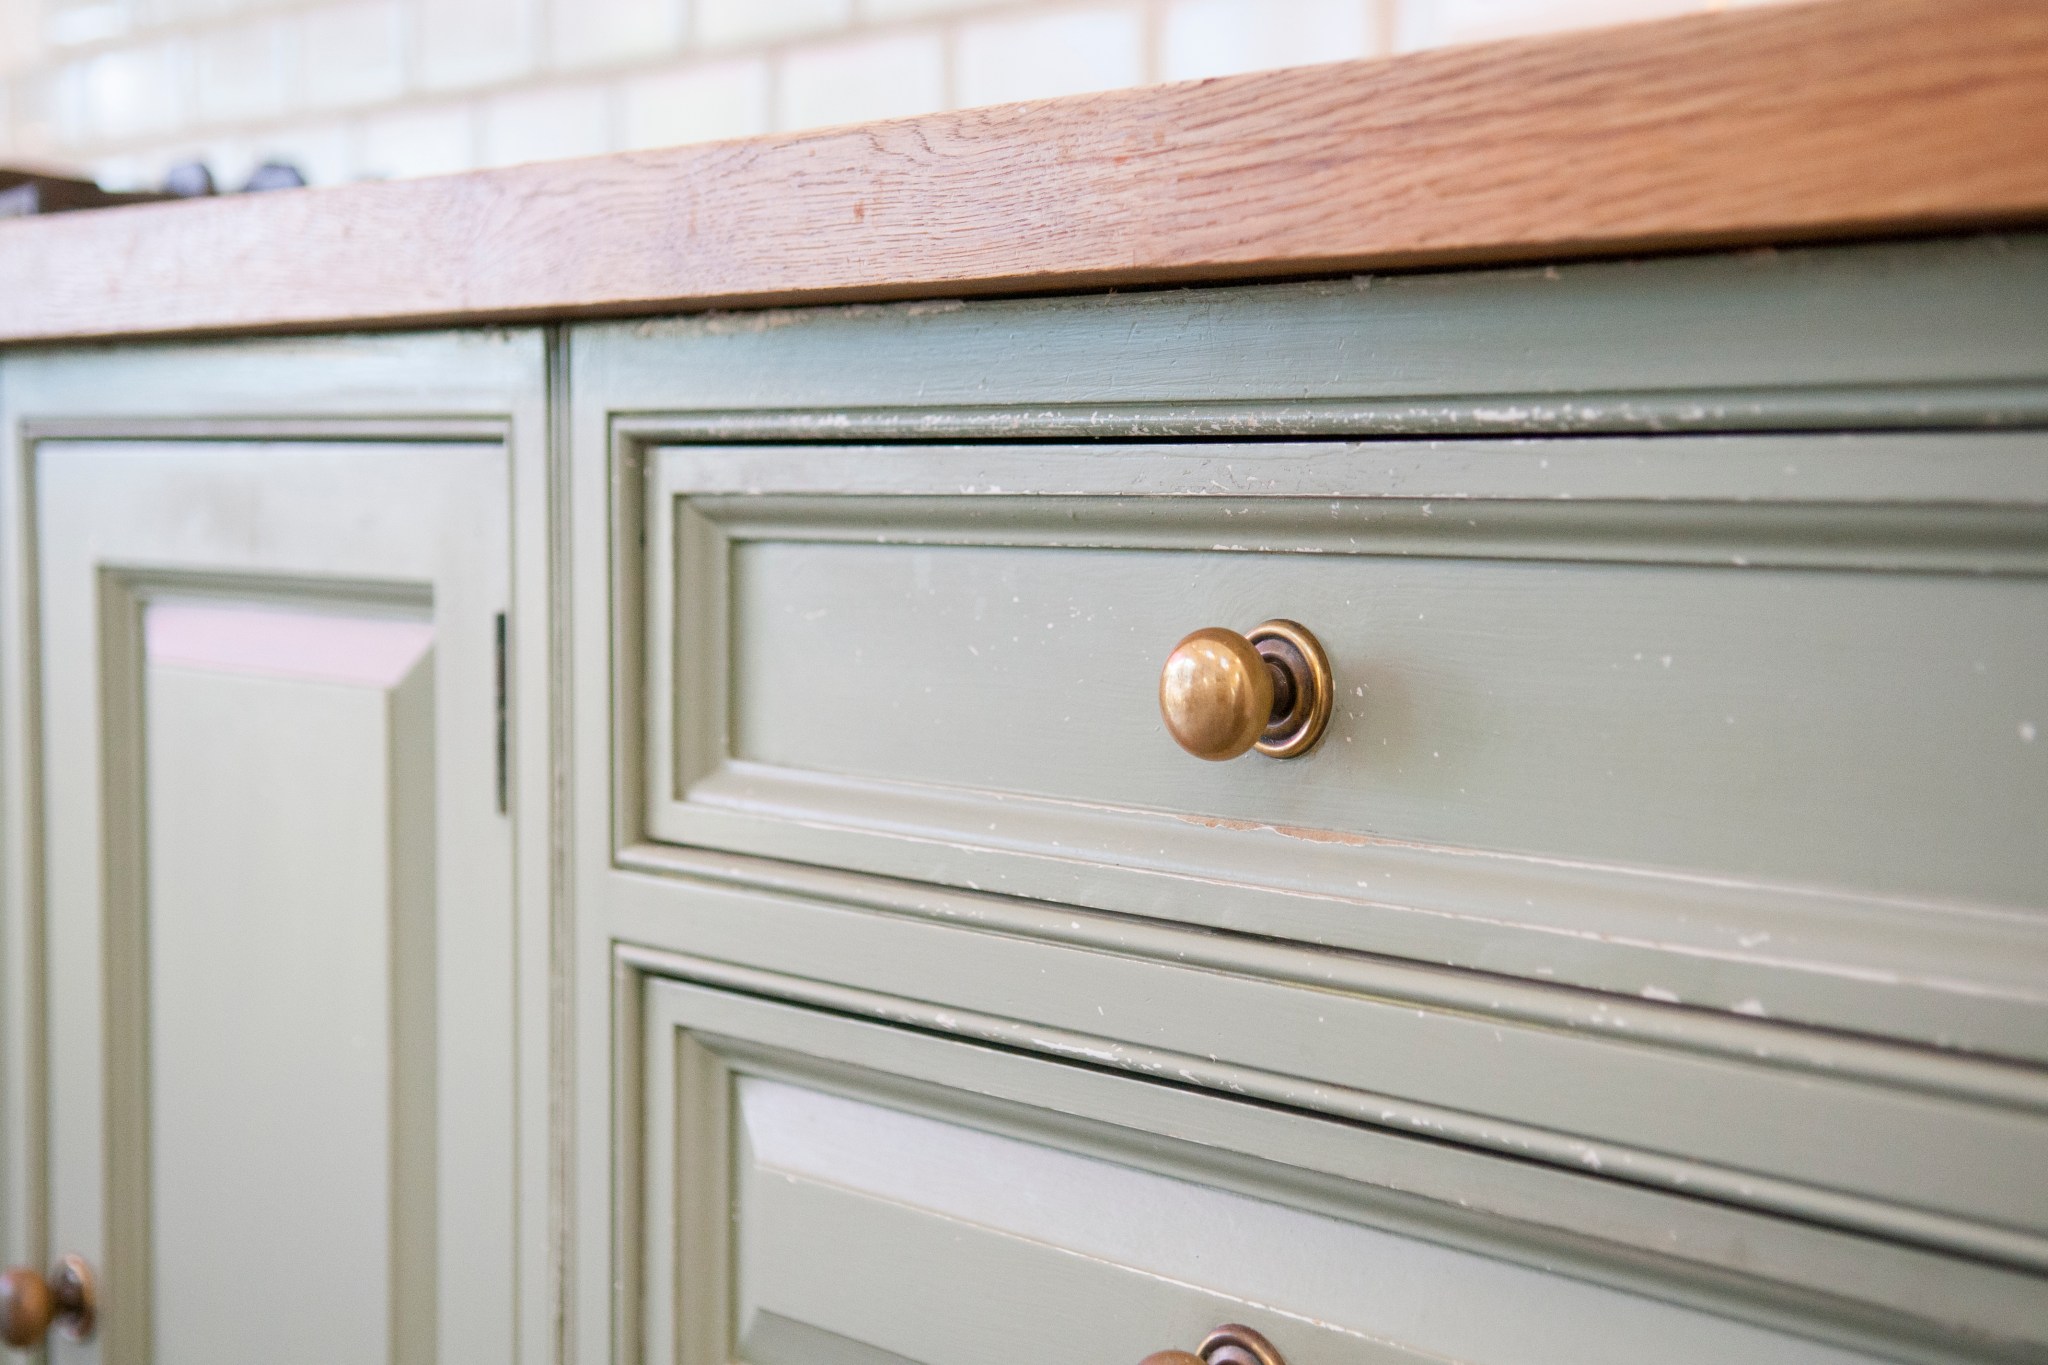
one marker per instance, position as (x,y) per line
(2028,734)
(1659,993)
(1752,1007)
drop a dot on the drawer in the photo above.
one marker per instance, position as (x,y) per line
(815,1187)
(1749,722)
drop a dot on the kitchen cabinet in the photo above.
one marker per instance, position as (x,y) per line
(268,763)
(1673,839)
(625,762)
(676,819)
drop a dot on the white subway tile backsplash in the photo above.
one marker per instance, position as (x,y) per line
(1440,22)
(735,23)
(703,103)
(545,125)
(409,87)
(130,92)
(1040,55)
(460,43)
(53,108)
(882,11)
(241,72)
(76,23)
(165,13)
(591,32)
(352,53)
(21,38)
(1221,37)
(431,141)
(323,152)
(869,78)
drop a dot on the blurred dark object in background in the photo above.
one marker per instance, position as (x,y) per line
(274,175)
(193,179)
(188,180)
(25,192)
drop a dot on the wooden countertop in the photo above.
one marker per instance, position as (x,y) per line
(1829,119)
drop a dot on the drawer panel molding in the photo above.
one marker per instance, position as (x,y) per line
(1738,722)
(1646,1117)
(744,1102)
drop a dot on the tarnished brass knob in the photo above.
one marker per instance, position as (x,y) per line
(1223,694)
(29,1304)
(1230,1344)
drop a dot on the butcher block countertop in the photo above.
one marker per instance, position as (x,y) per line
(1832,119)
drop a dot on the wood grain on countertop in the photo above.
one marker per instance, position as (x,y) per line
(1835,118)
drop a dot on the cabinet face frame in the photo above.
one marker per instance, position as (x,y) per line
(487,386)
(1942,336)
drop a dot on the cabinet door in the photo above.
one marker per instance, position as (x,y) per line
(278,897)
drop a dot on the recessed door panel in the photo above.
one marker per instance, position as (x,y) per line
(290,850)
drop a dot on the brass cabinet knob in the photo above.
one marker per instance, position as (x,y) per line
(1223,694)
(1230,1344)
(30,1304)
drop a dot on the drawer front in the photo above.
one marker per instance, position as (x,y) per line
(1748,722)
(815,1188)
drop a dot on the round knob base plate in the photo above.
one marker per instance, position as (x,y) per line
(1297,654)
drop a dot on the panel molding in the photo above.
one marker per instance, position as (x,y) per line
(1699,1179)
(2013,406)
(422,431)
(724,1019)
(1954,538)
(128,1335)
(129,1147)
(1958,975)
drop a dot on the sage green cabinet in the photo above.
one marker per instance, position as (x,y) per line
(654,840)
(1660,918)
(275,881)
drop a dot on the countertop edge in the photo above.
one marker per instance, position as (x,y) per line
(1828,119)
